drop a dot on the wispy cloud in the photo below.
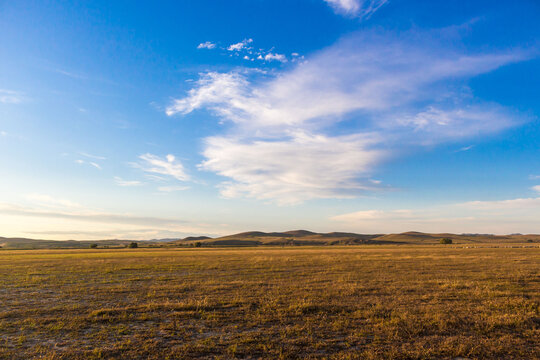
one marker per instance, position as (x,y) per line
(11,96)
(90,156)
(510,204)
(398,88)
(357,8)
(465,148)
(536,188)
(497,216)
(369,215)
(86,215)
(206,45)
(61,218)
(71,74)
(49,201)
(172,188)
(91,163)
(121,182)
(169,166)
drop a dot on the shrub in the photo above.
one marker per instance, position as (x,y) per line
(133,245)
(93,246)
(446,241)
(198,244)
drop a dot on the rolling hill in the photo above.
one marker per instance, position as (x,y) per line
(25,243)
(294,237)
(304,237)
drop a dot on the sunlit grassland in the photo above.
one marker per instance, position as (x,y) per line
(373,302)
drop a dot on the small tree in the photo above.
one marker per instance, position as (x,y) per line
(198,244)
(446,241)
(93,246)
(133,245)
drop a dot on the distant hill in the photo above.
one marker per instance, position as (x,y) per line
(305,237)
(294,237)
(24,243)
(196,238)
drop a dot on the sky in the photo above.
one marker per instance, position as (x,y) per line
(145,120)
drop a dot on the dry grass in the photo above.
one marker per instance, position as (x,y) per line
(370,302)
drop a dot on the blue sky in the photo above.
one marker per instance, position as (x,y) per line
(125,120)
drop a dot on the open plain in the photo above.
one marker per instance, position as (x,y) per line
(335,302)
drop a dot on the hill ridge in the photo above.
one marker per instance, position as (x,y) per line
(291,237)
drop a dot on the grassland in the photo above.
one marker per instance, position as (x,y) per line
(369,302)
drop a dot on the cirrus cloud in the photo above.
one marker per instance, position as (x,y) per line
(359,8)
(10,96)
(286,142)
(169,166)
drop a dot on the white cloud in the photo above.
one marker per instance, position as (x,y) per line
(397,88)
(155,177)
(465,148)
(49,201)
(172,188)
(70,74)
(375,215)
(206,45)
(241,45)
(245,50)
(64,219)
(499,216)
(212,88)
(121,182)
(168,166)
(536,188)
(96,157)
(366,72)
(438,124)
(534,177)
(10,97)
(359,8)
(520,203)
(276,57)
(300,167)
(91,163)
(85,215)
(96,165)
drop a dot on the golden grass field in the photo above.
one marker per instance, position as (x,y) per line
(365,302)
